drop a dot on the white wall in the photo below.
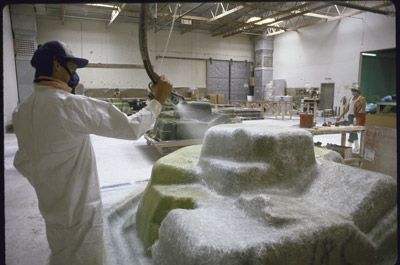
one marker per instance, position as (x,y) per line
(331,50)
(119,44)
(9,74)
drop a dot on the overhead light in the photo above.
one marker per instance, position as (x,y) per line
(276,23)
(275,32)
(193,18)
(115,13)
(368,54)
(252,19)
(265,21)
(318,15)
(103,5)
(296,11)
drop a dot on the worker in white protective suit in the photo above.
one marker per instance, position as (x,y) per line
(56,155)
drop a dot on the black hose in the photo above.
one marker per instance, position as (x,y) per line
(175,97)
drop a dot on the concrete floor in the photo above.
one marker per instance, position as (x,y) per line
(124,167)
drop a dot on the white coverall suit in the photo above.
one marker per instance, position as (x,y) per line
(56,156)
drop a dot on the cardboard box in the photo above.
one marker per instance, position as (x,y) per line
(213,98)
(380,154)
(195,95)
(220,99)
(202,92)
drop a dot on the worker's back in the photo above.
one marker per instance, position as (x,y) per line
(56,155)
(59,162)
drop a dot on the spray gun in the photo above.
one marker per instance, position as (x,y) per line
(175,98)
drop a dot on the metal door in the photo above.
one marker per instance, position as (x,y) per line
(228,78)
(327,96)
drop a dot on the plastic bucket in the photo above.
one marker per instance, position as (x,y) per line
(360,119)
(306,120)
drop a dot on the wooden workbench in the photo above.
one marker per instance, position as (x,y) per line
(165,147)
(275,107)
(343,130)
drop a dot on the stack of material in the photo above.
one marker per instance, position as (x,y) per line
(249,114)
(216,98)
(122,105)
(242,113)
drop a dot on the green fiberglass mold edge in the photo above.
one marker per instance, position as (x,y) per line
(166,191)
(255,194)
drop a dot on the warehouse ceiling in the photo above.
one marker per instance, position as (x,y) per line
(220,18)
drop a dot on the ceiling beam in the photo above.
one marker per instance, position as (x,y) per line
(252,24)
(355,12)
(220,25)
(184,14)
(226,13)
(257,6)
(223,23)
(362,8)
(305,10)
(164,6)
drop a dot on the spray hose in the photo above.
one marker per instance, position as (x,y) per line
(175,98)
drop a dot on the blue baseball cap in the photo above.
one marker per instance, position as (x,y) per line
(56,49)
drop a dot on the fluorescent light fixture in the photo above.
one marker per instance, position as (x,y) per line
(276,23)
(276,32)
(115,13)
(193,18)
(368,54)
(102,5)
(265,21)
(252,19)
(318,15)
(296,11)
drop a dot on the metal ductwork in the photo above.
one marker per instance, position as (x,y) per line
(265,87)
(23,21)
(263,65)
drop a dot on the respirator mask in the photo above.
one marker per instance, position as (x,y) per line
(73,77)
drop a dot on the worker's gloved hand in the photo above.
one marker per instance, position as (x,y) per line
(162,89)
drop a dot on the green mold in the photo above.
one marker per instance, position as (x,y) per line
(265,187)
(167,191)
(177,167)
(162,194)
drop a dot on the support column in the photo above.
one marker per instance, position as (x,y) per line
(23,20)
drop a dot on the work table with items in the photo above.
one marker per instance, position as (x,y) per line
(343,130)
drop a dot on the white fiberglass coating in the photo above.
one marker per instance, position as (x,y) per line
(272,202)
